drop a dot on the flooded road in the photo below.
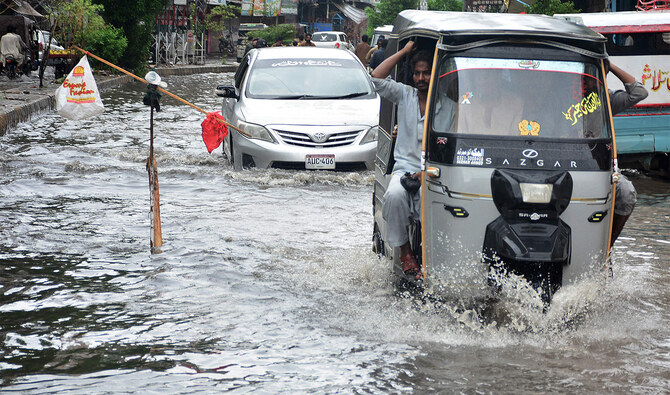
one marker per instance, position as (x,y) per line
(266,281)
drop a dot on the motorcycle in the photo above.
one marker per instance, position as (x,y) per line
(12,69)
(226,46)
(518,162)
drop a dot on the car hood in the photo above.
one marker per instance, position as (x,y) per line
(312,112)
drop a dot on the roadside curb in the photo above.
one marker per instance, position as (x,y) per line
(46,102)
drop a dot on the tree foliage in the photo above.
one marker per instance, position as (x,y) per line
(386,11)
(80,23)
(137,19)
(284,32)
(445,5)
(218,19)
(551,7)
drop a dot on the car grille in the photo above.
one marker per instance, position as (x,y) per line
(303,139)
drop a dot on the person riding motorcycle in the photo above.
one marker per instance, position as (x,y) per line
(12,45)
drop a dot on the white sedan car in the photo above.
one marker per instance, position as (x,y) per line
(331,40)
(301,108)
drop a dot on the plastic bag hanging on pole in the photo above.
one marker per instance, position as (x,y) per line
(213,130)
(79,97)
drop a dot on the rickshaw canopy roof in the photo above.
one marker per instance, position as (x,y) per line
(450,26)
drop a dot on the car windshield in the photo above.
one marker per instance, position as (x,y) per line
(53,40)
(304,79)
(324,37)
(520,97)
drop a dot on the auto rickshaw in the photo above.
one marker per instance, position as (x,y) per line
(519,157)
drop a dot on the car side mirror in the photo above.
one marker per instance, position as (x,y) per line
(226,91)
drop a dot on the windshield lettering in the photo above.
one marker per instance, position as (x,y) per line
(586,106)
(311,62)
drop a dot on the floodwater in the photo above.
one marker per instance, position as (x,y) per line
(266,282)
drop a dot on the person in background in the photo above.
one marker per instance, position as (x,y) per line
(372,50)
(251,44)
(308,41)
(379,55)
(362,50)
(12,44)
(277,43)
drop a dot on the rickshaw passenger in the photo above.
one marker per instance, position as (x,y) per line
(620,100)
(398,204)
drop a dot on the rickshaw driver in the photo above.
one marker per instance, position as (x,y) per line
(398,204)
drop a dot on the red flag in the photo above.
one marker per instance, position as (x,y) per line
(213,130)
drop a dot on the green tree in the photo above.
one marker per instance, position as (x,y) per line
(386,11)
(218,19)
(137,19)
(284,32)
(80,24)
(551,7)
(445,5)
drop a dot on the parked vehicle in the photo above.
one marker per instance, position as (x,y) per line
(331,40)
(639,42)
(226,45)
(381,31)
(245,29)
(517,168)
(42,38)
(293,117)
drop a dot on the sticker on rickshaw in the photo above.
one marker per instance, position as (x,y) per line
(586,106)
(466,98)
(529,128)
(529,64)
(471,156)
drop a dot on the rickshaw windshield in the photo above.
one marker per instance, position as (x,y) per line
(520,97)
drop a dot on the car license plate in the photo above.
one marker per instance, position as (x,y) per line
(326,161)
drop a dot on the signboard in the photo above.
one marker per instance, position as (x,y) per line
(289,7)
(653,71)
(272,7)
(322,27)
(247,7)
(484,5)
(259,7)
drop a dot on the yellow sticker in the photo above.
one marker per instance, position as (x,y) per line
(529,128)
(586,106)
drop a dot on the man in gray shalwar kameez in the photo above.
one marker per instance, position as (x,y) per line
(399,205)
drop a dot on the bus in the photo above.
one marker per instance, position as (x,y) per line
(639,43)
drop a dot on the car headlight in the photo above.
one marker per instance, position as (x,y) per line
(254,131)
(370,135)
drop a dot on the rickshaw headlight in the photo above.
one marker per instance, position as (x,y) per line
(254,131)
(370,135)
(536,193)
